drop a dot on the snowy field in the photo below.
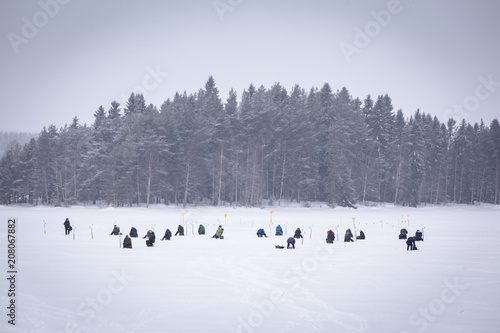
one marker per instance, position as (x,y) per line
(243,283)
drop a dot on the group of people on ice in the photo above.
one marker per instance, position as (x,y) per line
(349,237)
(330,235)
(151,237)
(410,241)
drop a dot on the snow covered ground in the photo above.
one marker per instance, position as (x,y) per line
(243,283)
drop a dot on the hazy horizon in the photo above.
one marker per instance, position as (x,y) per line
(66,58)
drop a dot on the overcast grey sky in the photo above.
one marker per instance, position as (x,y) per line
(65,58)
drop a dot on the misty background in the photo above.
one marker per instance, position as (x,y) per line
(79,55)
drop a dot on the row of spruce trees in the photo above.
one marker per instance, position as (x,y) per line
(273,145)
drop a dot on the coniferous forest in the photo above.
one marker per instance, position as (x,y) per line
(271,146)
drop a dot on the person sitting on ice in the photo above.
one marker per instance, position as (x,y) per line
(180,230)
(361,235)
(290,241)
(201,230)
(218,233)
(151,238)
(298,233)
(116,231)
(167,235)
(127,242)
(279,231)
(67,227)
(261,233)
(403,233)
(418,236)
(348,236)
(410,244)
(133,232)
(330,236)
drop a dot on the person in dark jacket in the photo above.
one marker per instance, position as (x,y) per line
(410,244)
(180,230)
(261,233)
(116,230)
(201,230)
(403,233)
(67,227)
(151,238)
(298,233)
(167,235)
(290,241)
(418,236)
(133,232)
(279,231)
(330,236)
(127,242)
(361,235)
(348,236)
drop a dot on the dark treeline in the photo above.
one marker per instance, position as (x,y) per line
(273,145)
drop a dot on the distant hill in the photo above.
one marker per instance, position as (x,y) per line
(9,139)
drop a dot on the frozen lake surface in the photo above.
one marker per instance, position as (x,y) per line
(242,283)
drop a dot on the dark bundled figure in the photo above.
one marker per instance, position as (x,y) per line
(298,233)
(133,232)
(180,230)
(116,231)
(330,236)
(418,236)
(67,227)
(127,242)
(410,244)
(151,238)
(361,235)
(348,236)
(403,233)
(167,235)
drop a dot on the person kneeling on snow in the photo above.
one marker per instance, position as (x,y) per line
(418,236)
(218,233)
(180,231)
(127,242)
(330,236)
(151,238)
(290,241)
(361,235)
(116,231)
(167,235)
(279,231)
(348,236)
(261,233)
(201,230)
(298,233)
(403,233)
(133,232)
(410,244)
